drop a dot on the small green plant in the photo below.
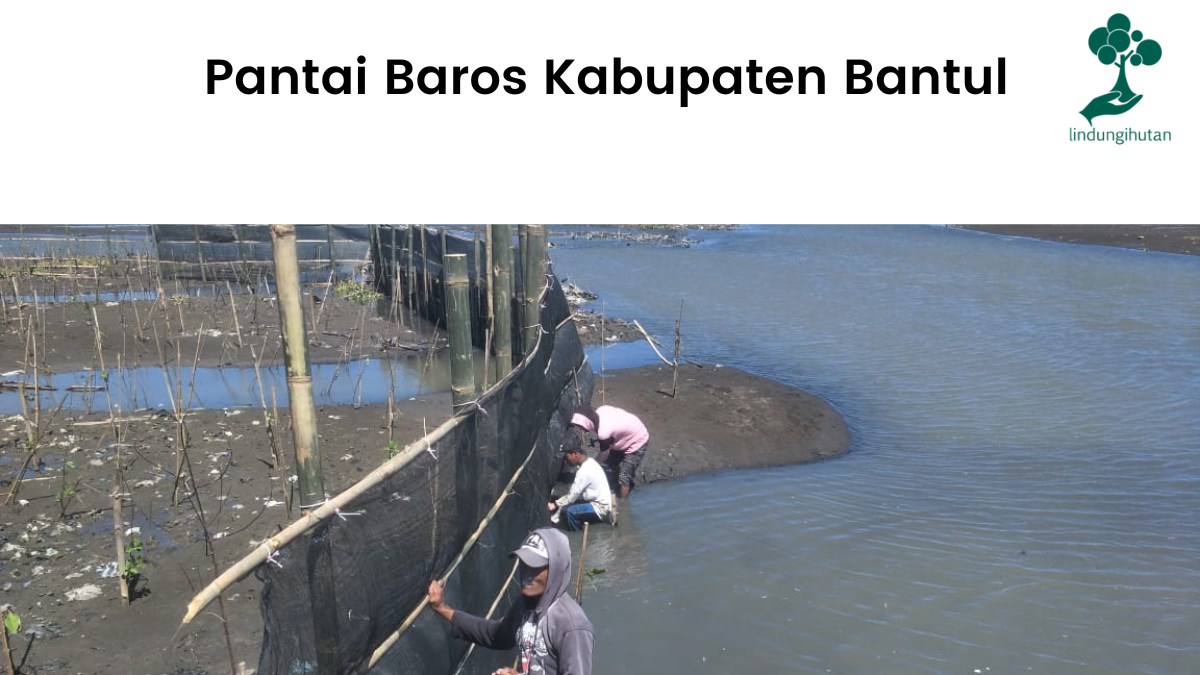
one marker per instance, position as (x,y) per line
(393,449)
(12,625)
(356,291)
(135,560)
(67,492)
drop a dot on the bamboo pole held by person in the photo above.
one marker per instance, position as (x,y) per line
(457,289)
(299,380)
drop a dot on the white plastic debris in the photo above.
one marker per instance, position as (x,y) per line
(107,570)
(84,592)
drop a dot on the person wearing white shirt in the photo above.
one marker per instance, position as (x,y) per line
(589,499)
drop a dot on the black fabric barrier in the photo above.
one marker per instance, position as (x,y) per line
(332,596)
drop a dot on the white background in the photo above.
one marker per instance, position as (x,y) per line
(105,116)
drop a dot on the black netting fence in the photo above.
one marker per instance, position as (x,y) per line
(465,497)
(244,252)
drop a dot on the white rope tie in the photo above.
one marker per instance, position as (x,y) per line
(342,514)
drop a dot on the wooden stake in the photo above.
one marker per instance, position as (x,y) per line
(233,302)
(119,535)
(678,347)
(579,574)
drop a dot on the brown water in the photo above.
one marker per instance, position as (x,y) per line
(1023,489)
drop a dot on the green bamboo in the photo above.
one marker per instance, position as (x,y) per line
(410,273)
(500,239)
(457,285)
(424,274)
(522,337)
(533,277)
(299,380)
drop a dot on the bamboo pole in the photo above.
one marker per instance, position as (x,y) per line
(500,241)
(299,381)
(457,289)
(424,274)
(410,285)
(579,573)
(521,292)
(119,535)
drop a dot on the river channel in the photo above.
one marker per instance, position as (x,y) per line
(1023,490)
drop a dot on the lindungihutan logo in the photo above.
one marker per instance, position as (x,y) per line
(1117,45)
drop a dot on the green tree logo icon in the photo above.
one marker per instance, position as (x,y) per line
(1109,44)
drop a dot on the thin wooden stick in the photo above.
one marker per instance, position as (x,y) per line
(678,347)
(651,341)
(236,324)
(119,534)
(579,574)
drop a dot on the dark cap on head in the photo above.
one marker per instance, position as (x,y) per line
(570,443)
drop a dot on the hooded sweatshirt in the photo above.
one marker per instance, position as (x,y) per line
(551,631)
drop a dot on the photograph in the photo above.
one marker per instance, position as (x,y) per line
(596,448)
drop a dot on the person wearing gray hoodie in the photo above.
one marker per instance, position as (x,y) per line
(550,630)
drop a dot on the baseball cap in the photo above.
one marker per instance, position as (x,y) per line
(533,551)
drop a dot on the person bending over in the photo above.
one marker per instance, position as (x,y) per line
(589,499)
(623,440)
(550,630)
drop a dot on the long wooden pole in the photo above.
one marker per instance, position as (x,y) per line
(299,380)
(457,287)
(500,240)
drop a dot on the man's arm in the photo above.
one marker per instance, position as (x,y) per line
(485,632)
(575,653)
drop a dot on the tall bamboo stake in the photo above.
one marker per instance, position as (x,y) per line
(535,281)
(457,288)
(295,348)
(523,291)
(500,241)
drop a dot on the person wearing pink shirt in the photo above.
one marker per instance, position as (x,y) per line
(623,440)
